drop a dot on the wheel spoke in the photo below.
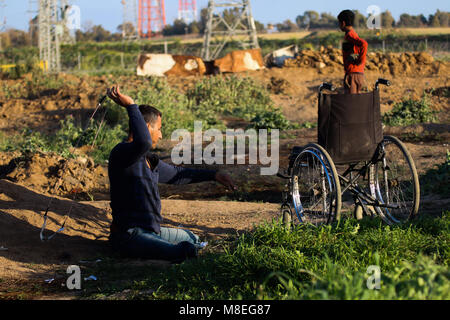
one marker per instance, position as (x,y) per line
(397,183)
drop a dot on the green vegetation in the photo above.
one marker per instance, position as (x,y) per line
(328,262)
(67,137)
(409,112)
(209,100)
(437,179)
(212,98)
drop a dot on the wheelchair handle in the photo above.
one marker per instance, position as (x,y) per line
(383,82)
(327,86)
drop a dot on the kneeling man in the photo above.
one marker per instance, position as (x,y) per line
(134,174)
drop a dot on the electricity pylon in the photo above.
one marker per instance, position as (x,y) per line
(2,21)
(220,29)
(187,10)
(151,17)
(130,19)
(49,35)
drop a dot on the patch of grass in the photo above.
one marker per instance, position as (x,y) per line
(211,98)
(437,180)
(35,86)
(409,112)
(65,139)
(328,262)
(308,125)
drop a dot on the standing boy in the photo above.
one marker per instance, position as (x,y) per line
(354,50)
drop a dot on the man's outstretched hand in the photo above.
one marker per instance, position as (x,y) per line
(225,179)
(119,98)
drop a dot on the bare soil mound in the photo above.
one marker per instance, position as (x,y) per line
(52,174)
(329,60)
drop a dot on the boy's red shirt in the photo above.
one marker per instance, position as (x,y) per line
(354,45)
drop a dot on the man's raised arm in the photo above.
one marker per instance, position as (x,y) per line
(129,153)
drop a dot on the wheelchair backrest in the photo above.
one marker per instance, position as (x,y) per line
(349,125)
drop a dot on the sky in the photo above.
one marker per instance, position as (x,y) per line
(108,13)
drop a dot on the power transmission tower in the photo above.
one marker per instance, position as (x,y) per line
(49,35)
(152,18)
(129,24)
(219,31)
(2,21)
(187,10)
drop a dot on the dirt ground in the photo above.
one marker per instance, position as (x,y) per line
(27,182)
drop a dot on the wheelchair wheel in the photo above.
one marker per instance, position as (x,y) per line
(396,181)
(315,188)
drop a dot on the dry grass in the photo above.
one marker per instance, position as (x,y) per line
(430,31)
(302,34)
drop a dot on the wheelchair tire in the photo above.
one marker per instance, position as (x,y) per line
(315,187)
(396,181)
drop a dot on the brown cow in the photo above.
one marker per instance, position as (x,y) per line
(161,65)
(241,60)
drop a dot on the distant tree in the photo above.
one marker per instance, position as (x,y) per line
(405,20)
(97,33)
(126,27)
(444,18)
(327,21)
(179,27)
(410,21)
(194,27)
(360,20)
(16,38)
(287,26)
(260,27)
(387,20)
(439,19)
(307,19)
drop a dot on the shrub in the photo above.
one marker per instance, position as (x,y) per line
(215,97)
(173,105)
(410,112)
(67,137)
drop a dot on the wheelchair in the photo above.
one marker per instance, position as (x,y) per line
(353,169)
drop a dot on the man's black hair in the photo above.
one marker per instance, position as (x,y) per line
(149,113)
(348,16)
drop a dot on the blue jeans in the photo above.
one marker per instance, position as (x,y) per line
(174,245)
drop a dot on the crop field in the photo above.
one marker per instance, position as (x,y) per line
(45,134)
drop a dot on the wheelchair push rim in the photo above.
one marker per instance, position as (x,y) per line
(315,188)
(396,181)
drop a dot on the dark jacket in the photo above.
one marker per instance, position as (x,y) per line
(135,200)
